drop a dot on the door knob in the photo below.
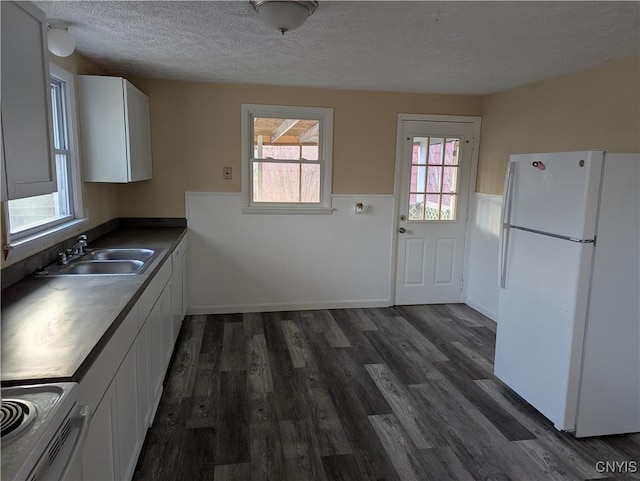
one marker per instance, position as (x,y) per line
(402,230)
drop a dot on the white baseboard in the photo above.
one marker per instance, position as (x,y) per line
(287,306)
(482,310)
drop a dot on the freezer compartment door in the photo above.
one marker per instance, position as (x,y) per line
(555,193)
(541,319)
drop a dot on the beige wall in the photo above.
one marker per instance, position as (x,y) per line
(597,108)
(196,131)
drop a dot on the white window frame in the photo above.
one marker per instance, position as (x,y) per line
(325,116)
(39,236)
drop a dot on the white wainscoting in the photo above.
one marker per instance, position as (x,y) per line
(481,278)
(268,262)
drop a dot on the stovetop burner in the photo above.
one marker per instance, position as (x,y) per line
(15,416)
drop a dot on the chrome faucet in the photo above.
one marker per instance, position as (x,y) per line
(78,248)
(75,252)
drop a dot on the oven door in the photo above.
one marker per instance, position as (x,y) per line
(62,458)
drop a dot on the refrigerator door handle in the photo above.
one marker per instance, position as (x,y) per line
(504,249)
(508,194)
(505,227)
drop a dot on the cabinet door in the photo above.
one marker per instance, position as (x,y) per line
(177,291)
(167,326)
(29,162)
(99,456)
(185,298)
(127,405)
(156,370)
(179,287)
(144,386)
(139,133)
(102,115)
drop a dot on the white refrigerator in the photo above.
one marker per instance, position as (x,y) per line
(568,334)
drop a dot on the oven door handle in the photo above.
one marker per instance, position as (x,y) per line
(85,415)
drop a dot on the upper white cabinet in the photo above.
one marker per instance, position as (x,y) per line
(116,130)
(27,141)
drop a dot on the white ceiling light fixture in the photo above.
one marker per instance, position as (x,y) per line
(284,15)
(61,43)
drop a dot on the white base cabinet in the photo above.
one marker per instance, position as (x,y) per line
(168,339)
(128,411)
(124,385)
(179,287)
(144,381)
(99,458)
(156,364)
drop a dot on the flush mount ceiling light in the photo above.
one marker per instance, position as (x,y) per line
(61,43)
(284,15)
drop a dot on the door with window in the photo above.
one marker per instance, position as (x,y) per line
(435,164)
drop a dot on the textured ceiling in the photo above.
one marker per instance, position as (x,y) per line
(424,47)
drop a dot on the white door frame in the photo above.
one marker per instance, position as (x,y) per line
(397,187)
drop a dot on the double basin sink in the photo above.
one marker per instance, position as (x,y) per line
(105,262)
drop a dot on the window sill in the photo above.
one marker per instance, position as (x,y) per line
(288,210)
(36,242)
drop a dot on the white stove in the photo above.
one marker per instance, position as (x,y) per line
(43,430)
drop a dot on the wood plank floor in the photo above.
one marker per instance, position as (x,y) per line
(404,393)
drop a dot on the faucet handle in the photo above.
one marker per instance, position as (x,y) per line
(62,258)
(82,237)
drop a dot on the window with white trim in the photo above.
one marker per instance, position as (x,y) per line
(32,217)
(286,159)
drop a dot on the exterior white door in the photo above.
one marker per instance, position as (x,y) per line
(435,160)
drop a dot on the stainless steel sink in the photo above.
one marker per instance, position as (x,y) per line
(104,261)
(104,267)
(118,255)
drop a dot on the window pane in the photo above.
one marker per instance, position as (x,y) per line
(434,179)
(285,139)
(63,196)
(418,178)
(58,115)
(450,180)
(34,211)
(286,182)
(419,154)
(448,207)
(451,151)
(416,207)
(432,207)
(435,150)
(310,183)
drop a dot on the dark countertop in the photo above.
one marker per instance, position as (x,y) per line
(53,328)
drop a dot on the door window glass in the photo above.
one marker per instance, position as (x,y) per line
(434,179)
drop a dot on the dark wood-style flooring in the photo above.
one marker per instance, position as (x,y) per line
(404,393)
